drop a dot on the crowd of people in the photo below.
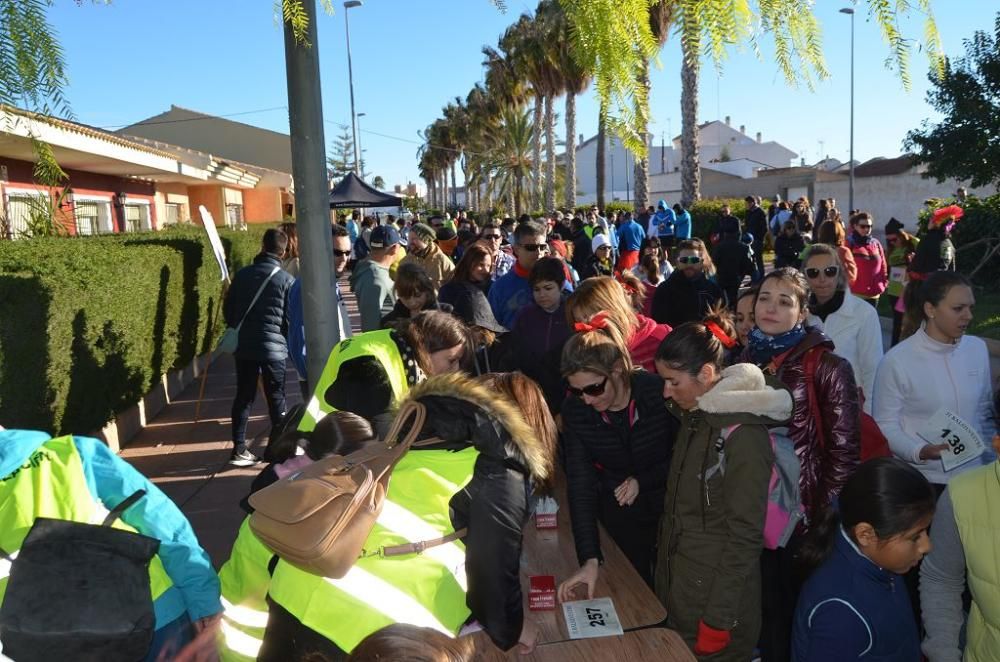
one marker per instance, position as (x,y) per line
(781,480)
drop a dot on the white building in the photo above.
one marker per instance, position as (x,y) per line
(721,148)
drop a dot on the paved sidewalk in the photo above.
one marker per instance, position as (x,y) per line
(189,461)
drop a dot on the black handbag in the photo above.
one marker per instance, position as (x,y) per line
(80,592)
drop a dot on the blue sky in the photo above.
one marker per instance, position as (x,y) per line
(134,58)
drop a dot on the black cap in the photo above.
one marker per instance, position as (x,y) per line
(893,226)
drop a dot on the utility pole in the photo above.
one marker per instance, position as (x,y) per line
(312,201)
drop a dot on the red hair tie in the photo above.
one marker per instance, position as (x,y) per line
(629,289)
(717,331)
(598,321)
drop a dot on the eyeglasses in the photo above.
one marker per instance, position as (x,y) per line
(829,272)
(689,259)
(337,253)
(604,247)
(492,236)
(593,390)
(536,248)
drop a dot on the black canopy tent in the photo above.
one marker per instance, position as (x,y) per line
(353,192)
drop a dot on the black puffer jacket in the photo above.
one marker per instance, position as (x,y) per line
(262,336)
(680,299)
(600,456)
(494,505)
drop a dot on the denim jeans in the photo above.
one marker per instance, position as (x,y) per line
(273,375)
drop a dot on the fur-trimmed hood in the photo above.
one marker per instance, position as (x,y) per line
(743,390)
(461,409)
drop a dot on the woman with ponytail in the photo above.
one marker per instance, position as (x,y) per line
(708,572)
(617,439)
(855,605)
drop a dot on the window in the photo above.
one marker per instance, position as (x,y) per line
(93,216)
(137,218)
(173,212)
(21,207)
(234,217)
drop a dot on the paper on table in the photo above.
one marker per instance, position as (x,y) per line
(945,427)
(591,618)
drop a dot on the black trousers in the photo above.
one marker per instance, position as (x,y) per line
(897,320)
(780,586)
(635,533)
(273,374)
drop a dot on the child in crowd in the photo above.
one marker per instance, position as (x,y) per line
(414,293)
(540,330)
(744,313)
(788,246)
(708,572)
(855,606)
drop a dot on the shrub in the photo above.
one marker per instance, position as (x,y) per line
(975,236)
(88,324)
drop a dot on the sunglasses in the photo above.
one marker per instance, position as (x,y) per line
(829,272)
(593,390)
(689,259)
(342,253)
(604,247)
(536,248)
(491,236)
(866,226)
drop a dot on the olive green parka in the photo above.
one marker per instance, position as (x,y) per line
(711,533)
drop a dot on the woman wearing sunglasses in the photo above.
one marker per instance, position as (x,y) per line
(825,429)
(869,256)
(853,326)
(689,293)
(618,438)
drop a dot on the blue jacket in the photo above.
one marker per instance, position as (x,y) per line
(630,236)
(262,336)
(852,609)
(507,294)
(662,221)
(110,479)
(683,225)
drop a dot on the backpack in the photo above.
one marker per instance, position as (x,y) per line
(873,442)
(319,518)
(784,503)
(79,592)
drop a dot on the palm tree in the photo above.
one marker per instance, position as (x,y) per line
(601,158)
(660,19)
(690,166)
(510,159)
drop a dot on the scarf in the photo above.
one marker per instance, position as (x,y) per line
(823,310)
(860,239)
(763,347)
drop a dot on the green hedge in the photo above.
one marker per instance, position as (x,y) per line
(88,324)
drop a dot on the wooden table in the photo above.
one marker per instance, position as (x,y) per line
(552,552)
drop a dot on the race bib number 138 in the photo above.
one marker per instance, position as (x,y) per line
(964,443)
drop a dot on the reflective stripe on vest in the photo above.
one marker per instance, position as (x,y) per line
(377,344)
(425,589)
(245,580)
(51,483)
(975,497)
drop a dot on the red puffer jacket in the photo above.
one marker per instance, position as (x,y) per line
(829,457)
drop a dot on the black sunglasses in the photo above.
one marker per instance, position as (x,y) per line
(537,248)
(689,259)
(829,272)
(341,253)
(866,226)
(593,390)
(492,236)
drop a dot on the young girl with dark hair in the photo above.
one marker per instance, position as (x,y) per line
(617,438)
(414,293)
(711,536)
(855,606)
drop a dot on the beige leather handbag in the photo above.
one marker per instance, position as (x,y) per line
(319,518)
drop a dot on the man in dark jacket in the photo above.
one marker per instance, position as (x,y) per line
(757,226)
(733,261)
(262,347)
(581,245)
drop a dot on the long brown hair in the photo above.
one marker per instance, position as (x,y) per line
(292,250)
(431,331)
(528,397)
(402,641)
(473,254)
(831,233)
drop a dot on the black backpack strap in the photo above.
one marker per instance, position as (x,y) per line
(117,511)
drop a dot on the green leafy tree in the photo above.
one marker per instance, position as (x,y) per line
(340,160)
(965,144)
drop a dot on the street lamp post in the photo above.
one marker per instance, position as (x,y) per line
(350,79)
(361,151)
(850,195)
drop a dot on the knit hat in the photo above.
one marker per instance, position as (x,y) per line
(600,239)
(893,226)
(424,233)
